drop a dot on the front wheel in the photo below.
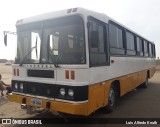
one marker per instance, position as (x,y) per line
(111,100)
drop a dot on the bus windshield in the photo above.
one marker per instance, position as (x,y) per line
(54,41)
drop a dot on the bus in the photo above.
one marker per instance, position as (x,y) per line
(76,61)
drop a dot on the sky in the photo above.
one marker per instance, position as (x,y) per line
(142,16)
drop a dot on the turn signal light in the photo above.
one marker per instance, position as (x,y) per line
(72,75)
(16,72)
(67,74)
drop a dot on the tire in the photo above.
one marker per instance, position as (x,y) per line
(145,84)
(112,98)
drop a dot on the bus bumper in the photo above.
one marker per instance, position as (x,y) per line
(70,108)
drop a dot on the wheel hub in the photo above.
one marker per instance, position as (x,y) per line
(111,97)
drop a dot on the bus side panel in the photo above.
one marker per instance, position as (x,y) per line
(128,82)
(142,76)
(96,97)
(152,71)
(98,93)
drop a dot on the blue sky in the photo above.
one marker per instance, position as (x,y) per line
(142,16)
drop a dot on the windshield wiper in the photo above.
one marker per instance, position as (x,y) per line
(58,59)
(51,54)
(52,57)
(26,56)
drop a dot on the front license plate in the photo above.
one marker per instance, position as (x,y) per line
(36,102)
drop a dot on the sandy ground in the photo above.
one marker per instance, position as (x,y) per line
(10,109)
(139,103)
(6,72)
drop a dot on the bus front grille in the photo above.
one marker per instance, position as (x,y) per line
(41,73)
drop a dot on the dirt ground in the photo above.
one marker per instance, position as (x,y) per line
(6,72)
(139,103)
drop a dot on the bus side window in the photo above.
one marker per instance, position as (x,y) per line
(150,50)
(116,34)
(131,50)
(97,40)
(153,50)
(139,46)
(146,48)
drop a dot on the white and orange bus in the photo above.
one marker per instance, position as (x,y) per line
(76,61)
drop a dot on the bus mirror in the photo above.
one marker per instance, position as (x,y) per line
(94,39)
(5,36)
(5,39)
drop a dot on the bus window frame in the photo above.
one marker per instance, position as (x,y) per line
(106,41)
(146,54)
(131,52)
(115,51)
(139,53)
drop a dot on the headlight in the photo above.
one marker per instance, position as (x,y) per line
(62,91)
(21,86)
(16,86)
(70,92)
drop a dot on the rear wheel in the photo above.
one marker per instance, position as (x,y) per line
(111,99)
(145,84)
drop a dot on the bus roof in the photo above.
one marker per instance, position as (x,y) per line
(62,13)
(73,11)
